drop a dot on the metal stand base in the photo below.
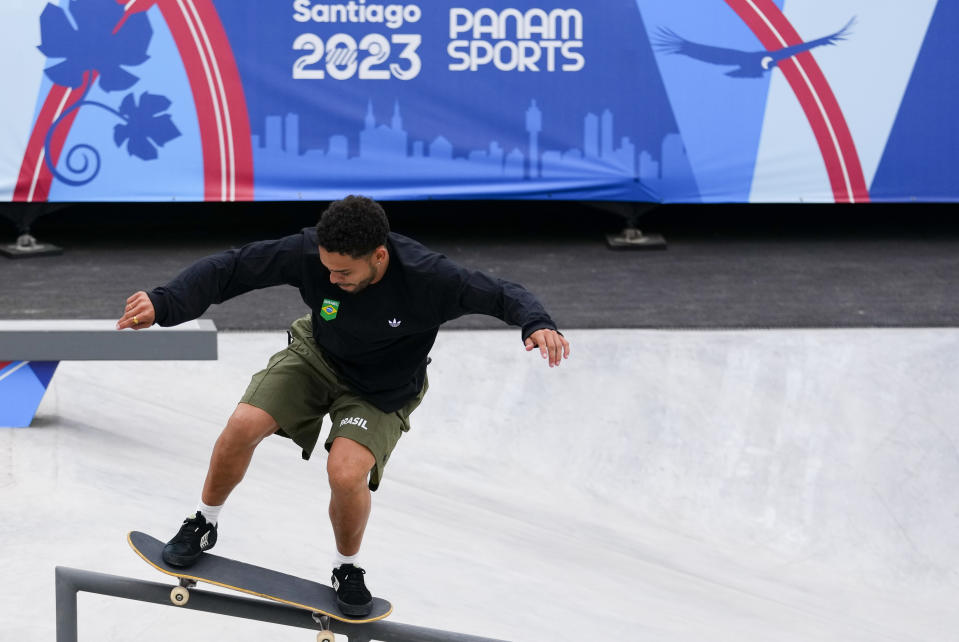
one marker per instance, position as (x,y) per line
(632,238)
(27,246)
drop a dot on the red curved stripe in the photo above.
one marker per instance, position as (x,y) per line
(204,100)
(860,191)
(31,156)
(839,155)
(33,183)
(227,147)
(234,98)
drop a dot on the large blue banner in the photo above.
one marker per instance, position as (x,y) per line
(619,100)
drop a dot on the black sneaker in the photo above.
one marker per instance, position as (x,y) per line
(351,593)
(195,536)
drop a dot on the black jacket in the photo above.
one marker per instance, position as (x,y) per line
(380,337)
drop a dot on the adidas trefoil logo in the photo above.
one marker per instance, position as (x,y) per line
(394,323)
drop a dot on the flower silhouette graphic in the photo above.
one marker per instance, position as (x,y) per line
(145,127)
(92,42)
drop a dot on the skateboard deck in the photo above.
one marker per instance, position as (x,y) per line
(254,580)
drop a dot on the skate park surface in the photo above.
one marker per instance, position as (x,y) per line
(659,485)
(753,439)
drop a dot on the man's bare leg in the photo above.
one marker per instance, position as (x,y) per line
(246,428)
(348,466)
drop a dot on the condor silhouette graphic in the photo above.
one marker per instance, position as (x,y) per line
(749,64)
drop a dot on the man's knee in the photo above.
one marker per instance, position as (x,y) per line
(248,426)
(349,464)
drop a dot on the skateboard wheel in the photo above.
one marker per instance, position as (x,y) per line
(179,596)
(325,636)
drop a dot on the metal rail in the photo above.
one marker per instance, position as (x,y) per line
(70,581)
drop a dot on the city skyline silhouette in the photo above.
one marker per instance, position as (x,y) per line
(382,146)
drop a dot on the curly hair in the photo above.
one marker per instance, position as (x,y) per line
(355,225)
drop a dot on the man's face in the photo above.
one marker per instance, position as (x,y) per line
(349,274)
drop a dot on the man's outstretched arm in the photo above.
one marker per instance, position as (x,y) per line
(476,292)
(214,279)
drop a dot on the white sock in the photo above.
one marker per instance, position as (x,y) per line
(210,513)
(340,559)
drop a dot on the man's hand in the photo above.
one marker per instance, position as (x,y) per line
(552,345)
(138,314)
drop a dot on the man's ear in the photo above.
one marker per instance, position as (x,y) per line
(379,254)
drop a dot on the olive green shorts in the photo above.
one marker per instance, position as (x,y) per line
(298,387)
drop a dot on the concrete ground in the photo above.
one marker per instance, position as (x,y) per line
(785,485)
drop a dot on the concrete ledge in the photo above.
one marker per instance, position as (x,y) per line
(99,340)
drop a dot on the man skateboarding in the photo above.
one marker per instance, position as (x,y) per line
(377,299)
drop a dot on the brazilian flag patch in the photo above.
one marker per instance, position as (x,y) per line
(329,309)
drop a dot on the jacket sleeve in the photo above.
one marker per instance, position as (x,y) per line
(219,277)
(473,292)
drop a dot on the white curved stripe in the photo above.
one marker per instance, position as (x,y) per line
(819,104)
(12,370)
(212,89)
(221,92)
(43,149)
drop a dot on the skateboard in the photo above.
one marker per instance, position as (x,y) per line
(254,580)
